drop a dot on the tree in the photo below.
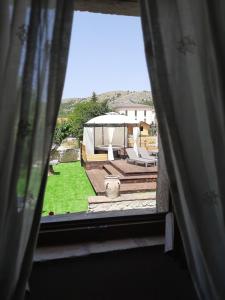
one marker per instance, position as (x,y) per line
(83,112)
(94,98)
(62,131)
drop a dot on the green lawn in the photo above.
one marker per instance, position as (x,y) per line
(67,191)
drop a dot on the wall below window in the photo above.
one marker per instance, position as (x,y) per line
(119,7)
(138,274)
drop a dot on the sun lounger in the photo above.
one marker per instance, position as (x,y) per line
(144,154)
(132,157)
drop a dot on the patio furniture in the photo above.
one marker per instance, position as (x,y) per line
(132,157)
(145,154)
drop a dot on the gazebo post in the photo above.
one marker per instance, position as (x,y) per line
(94,139)
(124,141)
(103,142)
(140,133)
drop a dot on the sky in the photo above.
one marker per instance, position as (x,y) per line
(106,54)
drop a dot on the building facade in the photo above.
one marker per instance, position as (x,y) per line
(139,112)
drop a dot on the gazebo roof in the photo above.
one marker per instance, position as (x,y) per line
(111,120)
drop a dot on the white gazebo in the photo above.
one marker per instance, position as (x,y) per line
(109,132)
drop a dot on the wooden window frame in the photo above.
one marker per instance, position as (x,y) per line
(84,227)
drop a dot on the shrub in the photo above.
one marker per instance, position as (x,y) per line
(62,131)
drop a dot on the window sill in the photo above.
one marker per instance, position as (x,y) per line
(44,254)
(82,216)
(82,234)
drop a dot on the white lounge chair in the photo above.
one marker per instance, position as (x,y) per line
(144,154)
(132,157)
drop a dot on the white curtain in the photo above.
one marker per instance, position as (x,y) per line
(136,133)
(185,52)
(118,136)
(110,149)
(34,45)
(88,139)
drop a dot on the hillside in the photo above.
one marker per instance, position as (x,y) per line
(114,98)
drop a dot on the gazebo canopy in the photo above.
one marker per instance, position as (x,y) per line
(108,131)
(111,120)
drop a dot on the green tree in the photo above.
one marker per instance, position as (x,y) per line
(62,131)
(94,98)
(83,112)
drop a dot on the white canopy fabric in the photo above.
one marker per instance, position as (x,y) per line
(136,132)
(112,118)
(88,139)
(110,149)
(107,135)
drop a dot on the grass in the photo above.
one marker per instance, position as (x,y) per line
(68,190)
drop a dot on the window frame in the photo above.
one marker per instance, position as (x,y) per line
(83,227)
(79,228)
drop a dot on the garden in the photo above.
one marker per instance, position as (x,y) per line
(67,191)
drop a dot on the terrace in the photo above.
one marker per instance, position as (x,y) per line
(103,154)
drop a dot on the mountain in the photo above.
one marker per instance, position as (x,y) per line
(113,98)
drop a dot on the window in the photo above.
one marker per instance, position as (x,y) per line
(83,84)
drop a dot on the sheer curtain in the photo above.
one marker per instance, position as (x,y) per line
(88,140)
(34,42)
(185,52)
(136,133)
(110,149)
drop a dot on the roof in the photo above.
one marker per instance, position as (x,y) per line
(133,106)
(112,118)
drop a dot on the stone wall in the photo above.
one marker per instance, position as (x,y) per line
(123,202)
(69,155)
(69,150)
(123,205)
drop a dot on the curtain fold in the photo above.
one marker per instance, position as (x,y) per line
(88,140)
(136,133)
(34,43)
(185,52)
(110,149)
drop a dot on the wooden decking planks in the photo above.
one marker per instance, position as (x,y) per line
(110,169)
(97,178)
(131,169)
(137,187)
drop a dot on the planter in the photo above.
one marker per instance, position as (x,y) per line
(112,186)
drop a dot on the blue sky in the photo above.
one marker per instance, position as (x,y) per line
(106,54)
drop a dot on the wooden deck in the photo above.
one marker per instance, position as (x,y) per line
(131,169)
(133,178)
(111,170)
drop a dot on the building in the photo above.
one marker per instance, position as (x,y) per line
(139,112)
